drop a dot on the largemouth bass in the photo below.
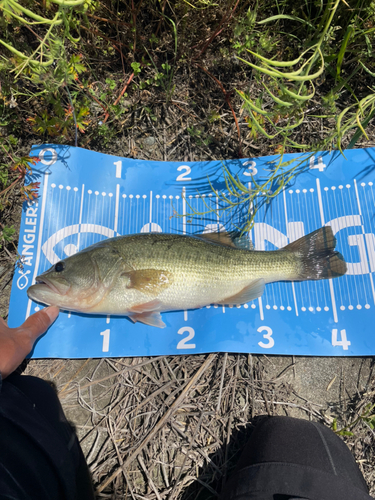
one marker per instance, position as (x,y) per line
(145,274)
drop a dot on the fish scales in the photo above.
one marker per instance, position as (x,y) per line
(196,258)
(203,272)
(144,274)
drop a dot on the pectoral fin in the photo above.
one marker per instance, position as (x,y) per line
(252,291)
(148,318)
(150,281)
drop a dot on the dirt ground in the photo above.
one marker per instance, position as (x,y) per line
(173,426)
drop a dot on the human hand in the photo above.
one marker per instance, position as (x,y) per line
(16,343)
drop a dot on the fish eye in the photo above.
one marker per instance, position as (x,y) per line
(60,266)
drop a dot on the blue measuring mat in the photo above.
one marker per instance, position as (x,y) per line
(86,197)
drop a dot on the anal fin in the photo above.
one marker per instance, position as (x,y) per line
(147,313)
(252,291)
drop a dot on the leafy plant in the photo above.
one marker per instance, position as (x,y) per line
(367,417)
(16,174)
(44,55)
(8,233)
(290,86)
(305,61)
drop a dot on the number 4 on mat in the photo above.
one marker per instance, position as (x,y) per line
(344,343)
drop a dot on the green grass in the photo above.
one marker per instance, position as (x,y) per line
(310,61)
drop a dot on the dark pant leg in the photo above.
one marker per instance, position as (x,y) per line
(31,411)
(291,458)
(45,401)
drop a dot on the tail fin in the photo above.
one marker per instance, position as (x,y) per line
(317,254)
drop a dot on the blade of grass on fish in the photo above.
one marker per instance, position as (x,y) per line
(286,176)
(231,192)
(262,191)
(279,189)
(230,186)
(231,203)
(195,212)
(295,161)
(281,174)
(236,181)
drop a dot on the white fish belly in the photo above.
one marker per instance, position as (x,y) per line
(198,295)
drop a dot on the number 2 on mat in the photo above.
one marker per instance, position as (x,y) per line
(182,344)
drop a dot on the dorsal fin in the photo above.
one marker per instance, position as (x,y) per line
(232,239)
(222,238)
(243,242)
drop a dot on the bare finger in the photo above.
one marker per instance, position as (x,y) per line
(39,322)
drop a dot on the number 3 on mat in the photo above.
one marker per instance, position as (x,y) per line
(182,344)
(267,336)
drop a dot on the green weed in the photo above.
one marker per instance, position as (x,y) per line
(290,86)
(306,61)
(367,417)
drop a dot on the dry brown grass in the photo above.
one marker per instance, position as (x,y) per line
(173,426)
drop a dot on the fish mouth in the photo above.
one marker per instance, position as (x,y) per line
(43,281)
(45,286)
